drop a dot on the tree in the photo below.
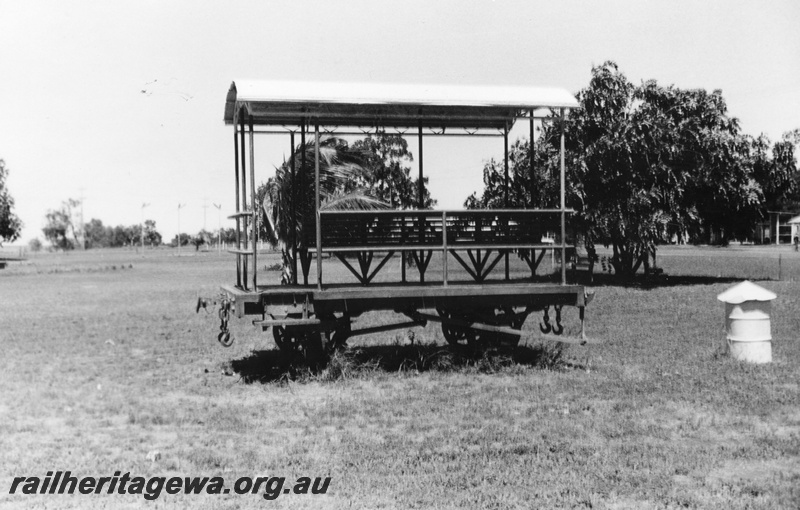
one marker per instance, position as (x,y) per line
(700,160)
(228,235)
(618,203)
(10,225)
(59,228)
(151,235)
(288,198)
(119,236)
(777,173)
(386,160)
(526,189)
(97,235)
(202,238)
(134,234)
(543,192)
(35,245)
(645,164)
(184,240)
(652,162)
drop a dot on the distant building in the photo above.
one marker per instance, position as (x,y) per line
(780,228)
(795,223)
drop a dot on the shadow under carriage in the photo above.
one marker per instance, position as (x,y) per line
(280,366)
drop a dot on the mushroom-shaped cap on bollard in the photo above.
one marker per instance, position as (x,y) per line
(746,291)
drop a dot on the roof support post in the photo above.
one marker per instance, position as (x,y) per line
(505,166)
(243,219)
(531,203)
(533,160)
(253,229)
(505,184)
(563,206)
(236,202)
(316,204)
(420,182)
(293,225)
(444,248)
(304,212)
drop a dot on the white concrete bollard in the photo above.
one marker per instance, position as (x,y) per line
(747,322)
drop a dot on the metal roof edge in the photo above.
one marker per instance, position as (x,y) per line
(399,94)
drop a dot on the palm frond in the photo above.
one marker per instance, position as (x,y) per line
(353,201)
(271,220)
(288,202)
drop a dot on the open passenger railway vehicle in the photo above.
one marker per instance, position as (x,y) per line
(474,296)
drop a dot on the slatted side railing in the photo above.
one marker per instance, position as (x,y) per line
(362,232)
(364,229)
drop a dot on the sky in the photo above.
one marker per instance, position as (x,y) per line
(121,103)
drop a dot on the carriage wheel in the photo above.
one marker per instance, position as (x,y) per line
(460,335)
(337,339)
(332,338)
(456,335)
(505,317)
(312,342)
(287,339)
(508,318)
(306,342)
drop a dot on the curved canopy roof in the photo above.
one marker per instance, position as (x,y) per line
(384,104)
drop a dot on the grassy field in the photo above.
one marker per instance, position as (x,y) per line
(104,361)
